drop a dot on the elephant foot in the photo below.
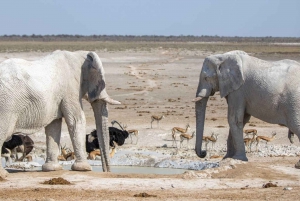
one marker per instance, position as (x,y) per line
(81,166)
(3,173)
(241,157)
(51,166)
(297,165)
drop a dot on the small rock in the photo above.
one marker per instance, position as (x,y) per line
(287,188)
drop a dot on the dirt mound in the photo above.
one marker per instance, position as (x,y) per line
(144,195)
(57,181)
(2,179)
(268,185)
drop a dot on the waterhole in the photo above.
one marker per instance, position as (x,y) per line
(29,167)
(136,170)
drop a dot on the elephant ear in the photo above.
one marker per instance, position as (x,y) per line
(230,74)
(96,80)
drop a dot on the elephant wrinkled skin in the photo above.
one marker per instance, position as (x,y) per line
(252,87)
(38,94)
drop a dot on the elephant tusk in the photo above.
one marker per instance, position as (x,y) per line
(111,101)
(197,99)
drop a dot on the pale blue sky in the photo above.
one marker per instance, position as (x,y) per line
(151,17)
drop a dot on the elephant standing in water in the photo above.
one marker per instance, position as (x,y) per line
(269,91)
(38,94)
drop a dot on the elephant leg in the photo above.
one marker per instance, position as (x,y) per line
(236,119)
(230,147)
(291,136)
(76,127)
(231,150)
(294,129)
(246,120)
(297,165)
(53,133)
(6,131)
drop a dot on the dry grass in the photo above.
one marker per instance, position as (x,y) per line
(26,46)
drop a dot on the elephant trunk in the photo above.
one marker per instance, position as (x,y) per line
(101,117)
(200,118)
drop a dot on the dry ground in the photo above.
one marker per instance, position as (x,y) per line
(155,82)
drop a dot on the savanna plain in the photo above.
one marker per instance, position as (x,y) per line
(160,78)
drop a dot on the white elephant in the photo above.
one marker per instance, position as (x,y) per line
(269,91)
(38,94)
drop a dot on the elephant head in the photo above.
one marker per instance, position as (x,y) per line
(219,73)
(98,97)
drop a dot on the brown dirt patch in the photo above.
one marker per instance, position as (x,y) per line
(253,170)
(144,195)
(57,181)
(268,185)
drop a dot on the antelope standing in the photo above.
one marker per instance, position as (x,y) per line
(131,133)
(265,138)
(250,131)
(61,157)
(185,136)
(178,130)
(213,139)
(249,141)
(156,118)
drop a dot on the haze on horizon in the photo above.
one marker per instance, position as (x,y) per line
(257,18)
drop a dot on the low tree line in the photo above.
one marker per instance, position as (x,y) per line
(150,38)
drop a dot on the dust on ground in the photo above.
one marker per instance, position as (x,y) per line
(163,82)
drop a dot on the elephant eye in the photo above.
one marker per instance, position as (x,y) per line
(209,78)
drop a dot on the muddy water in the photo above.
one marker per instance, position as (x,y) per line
(97,168)
(136,170)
